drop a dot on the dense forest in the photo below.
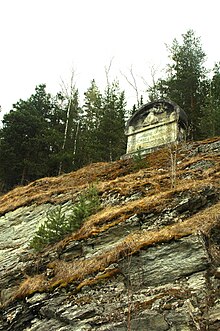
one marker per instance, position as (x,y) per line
(48,135)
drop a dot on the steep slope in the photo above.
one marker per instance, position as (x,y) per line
(148,260)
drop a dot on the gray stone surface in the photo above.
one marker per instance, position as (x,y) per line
(166,263)
(171,286)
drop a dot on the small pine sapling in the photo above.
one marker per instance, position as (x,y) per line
(59,223)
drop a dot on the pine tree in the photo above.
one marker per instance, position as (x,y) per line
(111,136)
(186,80)
(28,139)
(210,117)
(102,127)
(90,123)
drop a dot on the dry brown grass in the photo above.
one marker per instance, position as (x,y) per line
(34,284)
(119,175)
(113,215)
(206,141)
(77,271)
(62,188)
(102,277)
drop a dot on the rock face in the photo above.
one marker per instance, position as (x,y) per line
(149,260)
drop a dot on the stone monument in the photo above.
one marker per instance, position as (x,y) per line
(153,125)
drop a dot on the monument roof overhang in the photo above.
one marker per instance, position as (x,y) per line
(170,106)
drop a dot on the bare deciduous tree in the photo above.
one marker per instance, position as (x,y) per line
(107,71)
(68,92)
(133,83)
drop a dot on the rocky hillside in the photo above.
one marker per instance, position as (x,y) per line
(148,260)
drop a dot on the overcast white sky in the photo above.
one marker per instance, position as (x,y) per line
(42,40)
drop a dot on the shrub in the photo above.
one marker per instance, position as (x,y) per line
(139,162)
(60,223)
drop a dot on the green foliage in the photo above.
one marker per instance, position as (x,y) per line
(30,138)
(45,136)
(87,151)
(186,79)
(210,115)
(60,223)
(111,136)
(139,162)
(101,135)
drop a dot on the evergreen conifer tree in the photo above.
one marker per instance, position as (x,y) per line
(29,139)
(186,80)
(112,140)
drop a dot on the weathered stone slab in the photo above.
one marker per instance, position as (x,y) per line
(166,262)
(155,124)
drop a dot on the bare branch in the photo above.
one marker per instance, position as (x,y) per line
(107,70)
(153,72)
(132,83)
(67,90)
